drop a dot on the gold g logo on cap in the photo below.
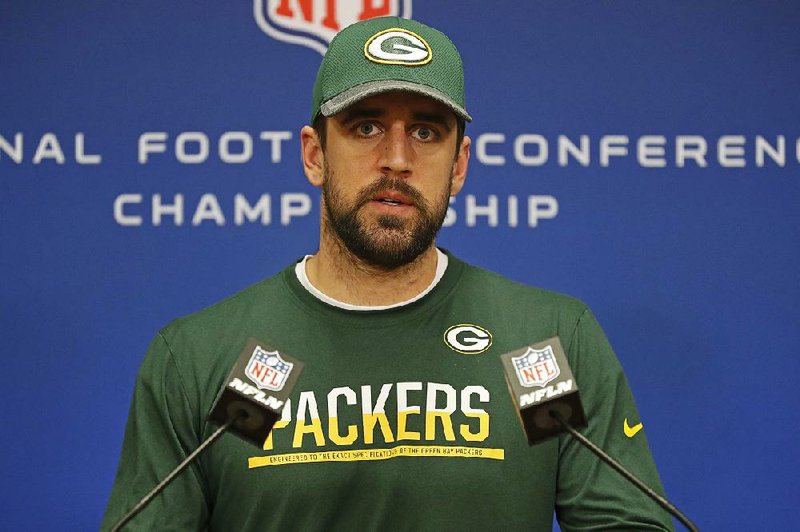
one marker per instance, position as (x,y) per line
(397,46)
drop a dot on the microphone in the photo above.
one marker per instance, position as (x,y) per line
(548,403)
(248,411)
(257,387)
(540,381)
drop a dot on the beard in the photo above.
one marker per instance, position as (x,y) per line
(390,241)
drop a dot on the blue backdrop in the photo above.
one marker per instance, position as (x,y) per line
(642,156)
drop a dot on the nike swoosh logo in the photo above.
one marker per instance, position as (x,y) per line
(630,432)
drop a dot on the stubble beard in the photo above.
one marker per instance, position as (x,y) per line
(389,242)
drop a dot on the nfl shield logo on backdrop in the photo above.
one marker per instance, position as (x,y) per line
(536,367)
(268,370)
(313,23)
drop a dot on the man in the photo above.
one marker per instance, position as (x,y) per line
(401,418)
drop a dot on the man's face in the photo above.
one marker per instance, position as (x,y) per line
(389,168)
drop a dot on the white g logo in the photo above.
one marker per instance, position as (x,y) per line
(468,339)
(397,46)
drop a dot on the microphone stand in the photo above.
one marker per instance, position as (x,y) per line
(175,472)
(664,503)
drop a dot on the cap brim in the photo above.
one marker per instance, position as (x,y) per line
(347,98)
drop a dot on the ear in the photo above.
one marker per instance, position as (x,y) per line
(460,166)
(313,156)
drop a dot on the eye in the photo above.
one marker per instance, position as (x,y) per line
(425,133)
(367,129)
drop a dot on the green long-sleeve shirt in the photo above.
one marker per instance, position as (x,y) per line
(389,427)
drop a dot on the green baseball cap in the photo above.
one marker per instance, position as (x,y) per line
(388,54)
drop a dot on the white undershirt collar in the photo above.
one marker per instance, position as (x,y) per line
(300,271)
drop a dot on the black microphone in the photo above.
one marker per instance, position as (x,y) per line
(249,404)
(540,380)
(548,403)
(258,386)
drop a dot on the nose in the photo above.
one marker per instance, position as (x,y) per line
(396,152)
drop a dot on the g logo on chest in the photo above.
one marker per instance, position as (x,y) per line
(468,339)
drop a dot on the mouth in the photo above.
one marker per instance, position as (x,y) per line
(392,198)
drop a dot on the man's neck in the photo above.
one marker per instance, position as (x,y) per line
(339,274)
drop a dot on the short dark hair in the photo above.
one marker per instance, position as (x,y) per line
(320,125)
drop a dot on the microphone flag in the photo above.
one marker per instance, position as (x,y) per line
(539,380)
(256,389)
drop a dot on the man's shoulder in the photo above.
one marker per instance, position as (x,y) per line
(235,311)
(492,286)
